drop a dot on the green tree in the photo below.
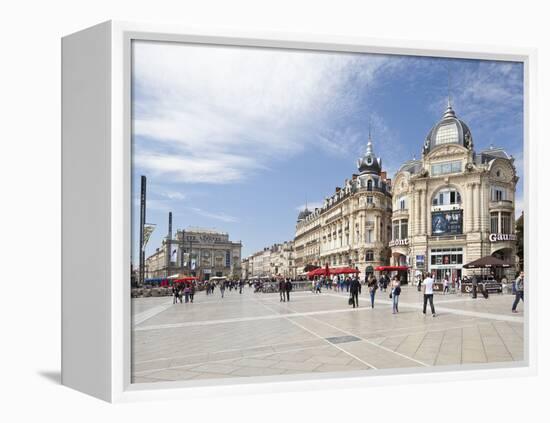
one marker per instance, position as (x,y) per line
(519,240)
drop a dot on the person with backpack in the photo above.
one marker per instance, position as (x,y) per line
(394,294)
(520,283)
(288,288)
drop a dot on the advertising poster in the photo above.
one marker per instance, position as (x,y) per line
(447,222)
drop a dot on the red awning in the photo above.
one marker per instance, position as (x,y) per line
(186,279)
(343,270)
(334,271)
(390,268)
(317,272)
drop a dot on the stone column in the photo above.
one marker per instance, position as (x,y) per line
(415,214)
(470,211)
(422,210)
(351,229)
(484,208)
(475,190)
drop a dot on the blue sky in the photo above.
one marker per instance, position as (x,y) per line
(237,139)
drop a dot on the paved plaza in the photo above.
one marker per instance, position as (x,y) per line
(253,334)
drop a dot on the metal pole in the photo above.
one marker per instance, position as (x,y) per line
(143,199)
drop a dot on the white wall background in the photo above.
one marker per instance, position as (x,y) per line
(30,204)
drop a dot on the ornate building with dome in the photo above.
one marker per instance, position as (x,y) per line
(454,205)
(353,226)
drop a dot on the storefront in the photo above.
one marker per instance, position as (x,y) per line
(446,262)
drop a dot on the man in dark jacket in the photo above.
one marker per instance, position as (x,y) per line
(282,289)
(355,286)
(288,288)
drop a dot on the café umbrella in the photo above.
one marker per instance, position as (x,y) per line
(486,263)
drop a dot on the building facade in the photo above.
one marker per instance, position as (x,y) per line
(276,260)
(353,227)
(453,205)
(197,252)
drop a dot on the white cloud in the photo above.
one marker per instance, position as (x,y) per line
(484,92)
(210,108)
(215,215)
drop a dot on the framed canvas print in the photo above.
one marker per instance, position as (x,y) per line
(257,213)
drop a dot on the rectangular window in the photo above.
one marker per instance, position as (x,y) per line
(447,167)
(498,194)
(404,229)
(369,235)
(505,223)
(369,199)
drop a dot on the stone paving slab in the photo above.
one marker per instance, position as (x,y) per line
(244,335)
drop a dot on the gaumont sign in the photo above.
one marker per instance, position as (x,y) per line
(502,237)
(397,242)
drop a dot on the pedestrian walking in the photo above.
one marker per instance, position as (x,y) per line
(520,283)
(186,291)
(355,287)
(445,285)
(428,285)
(175,294)
(192,291)
(394,294)
(288,288)
(222,288)
(474,287)
(282,289)
(373,286)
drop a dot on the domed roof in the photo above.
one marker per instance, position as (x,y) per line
(369,163)
(449,130)
(303,214)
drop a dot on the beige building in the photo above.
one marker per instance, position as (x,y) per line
(198,252)
(353,227)
(277,260)
(453,205)
(282,260)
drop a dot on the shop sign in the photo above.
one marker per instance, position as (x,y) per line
(398,242)
(420,262)
(502,237)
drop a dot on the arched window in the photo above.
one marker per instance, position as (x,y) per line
(446,197)
(369,255)
(369,185)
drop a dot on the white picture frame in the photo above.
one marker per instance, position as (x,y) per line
(96,132)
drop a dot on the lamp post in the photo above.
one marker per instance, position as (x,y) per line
(142,229)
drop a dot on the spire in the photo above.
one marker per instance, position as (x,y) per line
(449,112)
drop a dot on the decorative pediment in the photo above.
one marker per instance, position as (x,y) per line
(502,170)
(451,151)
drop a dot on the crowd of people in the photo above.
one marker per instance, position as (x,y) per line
(352,285)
